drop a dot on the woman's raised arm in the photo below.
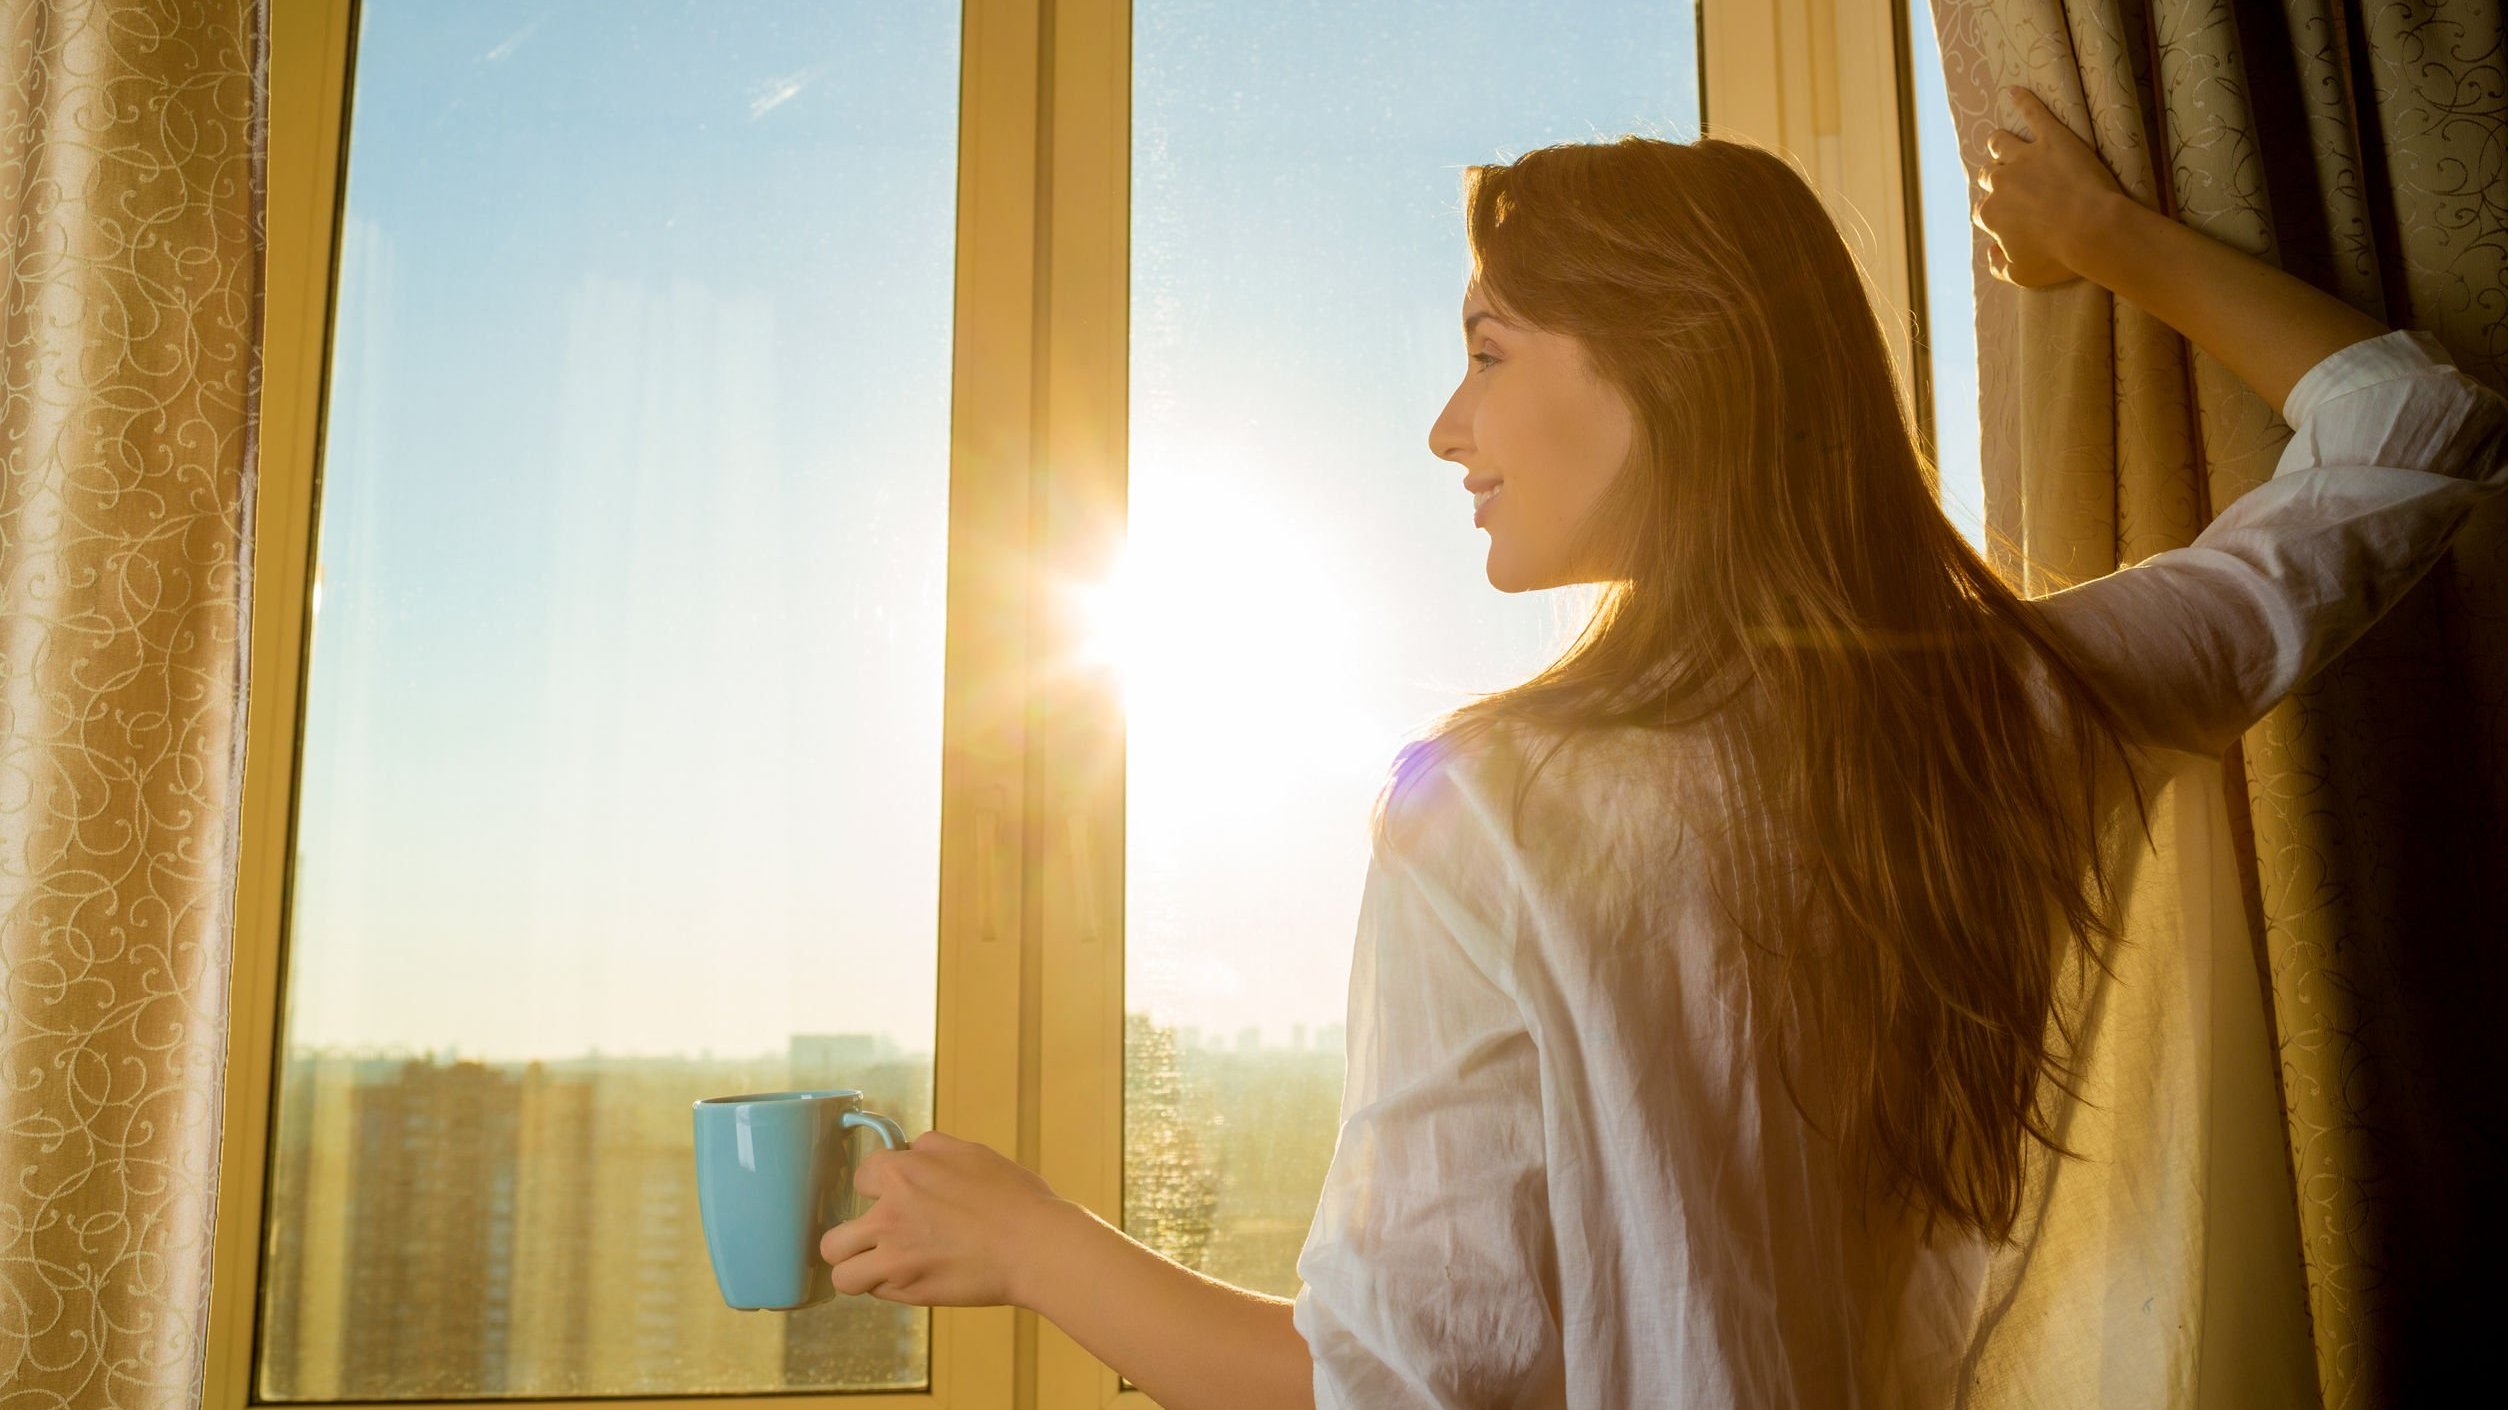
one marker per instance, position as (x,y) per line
(2056,212)
(2391,448)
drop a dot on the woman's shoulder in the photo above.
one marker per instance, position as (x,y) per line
(1529,792)
(1445,788)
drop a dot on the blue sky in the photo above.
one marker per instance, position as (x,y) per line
(624,708)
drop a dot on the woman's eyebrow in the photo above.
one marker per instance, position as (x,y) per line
(1477,317)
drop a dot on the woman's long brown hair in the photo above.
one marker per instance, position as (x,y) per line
(1913,859)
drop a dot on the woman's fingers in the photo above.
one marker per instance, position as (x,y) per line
(2040,193)
(950,1226)
(2034,110)
(2046,130)
(870,1173)
(847,1239)
(859,1263)
(2032,106)
(863,1272)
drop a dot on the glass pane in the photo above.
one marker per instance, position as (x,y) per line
(620,783)
(1303,588)
(1950,299)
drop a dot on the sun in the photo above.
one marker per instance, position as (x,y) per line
(1223,619)
(1109,617)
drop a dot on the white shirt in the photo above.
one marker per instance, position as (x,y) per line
(1560,1180)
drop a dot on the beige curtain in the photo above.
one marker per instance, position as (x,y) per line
(2359,851)
(130,223)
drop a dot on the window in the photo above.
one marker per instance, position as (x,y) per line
(1950,297)
(714,404)
(621,747)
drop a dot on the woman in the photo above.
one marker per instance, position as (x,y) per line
(1707,1009)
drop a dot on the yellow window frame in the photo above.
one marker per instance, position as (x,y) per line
(1029,1046)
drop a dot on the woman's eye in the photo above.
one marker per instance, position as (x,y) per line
(1483,358)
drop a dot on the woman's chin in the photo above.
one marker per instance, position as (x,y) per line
(1506,575)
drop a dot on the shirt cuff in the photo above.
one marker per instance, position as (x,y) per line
(2382,358)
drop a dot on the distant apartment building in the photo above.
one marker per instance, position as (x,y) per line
(443,1229)
(463,1229)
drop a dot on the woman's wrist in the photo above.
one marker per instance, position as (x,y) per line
(2111,235)
(2263,324)
(1048,1243)
(1190,1341)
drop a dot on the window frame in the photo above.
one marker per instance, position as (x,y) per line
(1028,1049)
(1829,81)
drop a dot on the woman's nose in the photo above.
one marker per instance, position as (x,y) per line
(1446,440)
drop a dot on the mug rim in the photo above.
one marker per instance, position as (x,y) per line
(771,1098)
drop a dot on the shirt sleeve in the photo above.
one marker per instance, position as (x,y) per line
(2391,448)
(1429,1275)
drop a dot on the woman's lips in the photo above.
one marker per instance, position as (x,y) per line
(1481,503)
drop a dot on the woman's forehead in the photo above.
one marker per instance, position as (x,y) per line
(1476,308)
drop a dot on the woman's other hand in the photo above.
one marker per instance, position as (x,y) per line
(2042,196)
(950,1225)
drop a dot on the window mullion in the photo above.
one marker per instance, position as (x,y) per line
(982,1066)
(1076,818)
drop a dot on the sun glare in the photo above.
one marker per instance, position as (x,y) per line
(1225,620)
(1106,613)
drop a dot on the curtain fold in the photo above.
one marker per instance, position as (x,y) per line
(130,225)
(2359,852)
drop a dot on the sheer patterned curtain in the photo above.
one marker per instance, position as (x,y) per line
(130,223)
(2360,844)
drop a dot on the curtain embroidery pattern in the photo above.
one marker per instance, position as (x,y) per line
(130,223)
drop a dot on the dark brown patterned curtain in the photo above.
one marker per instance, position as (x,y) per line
(2364,148)
(130,226)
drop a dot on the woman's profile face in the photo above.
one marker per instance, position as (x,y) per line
(1533,420)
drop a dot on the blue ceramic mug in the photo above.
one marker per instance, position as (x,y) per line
(774,1174)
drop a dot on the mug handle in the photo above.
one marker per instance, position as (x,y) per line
(890,1133)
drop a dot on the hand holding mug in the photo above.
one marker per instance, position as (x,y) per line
(772,1170)
(951,1224)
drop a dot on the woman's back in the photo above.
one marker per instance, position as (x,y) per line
(1711,1245)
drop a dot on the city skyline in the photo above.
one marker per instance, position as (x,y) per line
(464,1228)
(1292,1038)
